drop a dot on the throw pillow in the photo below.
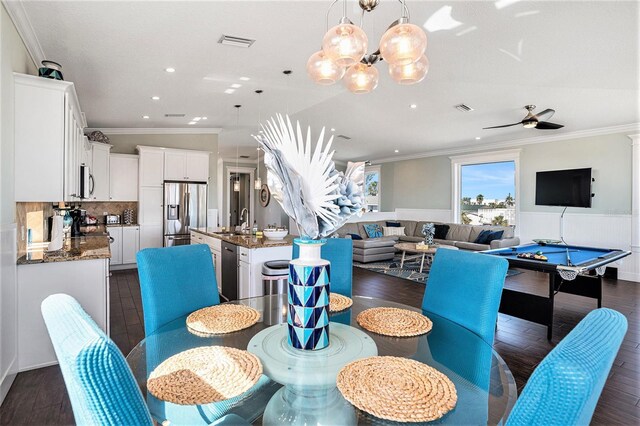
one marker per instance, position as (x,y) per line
(441,232)
(392,231)
(482,237)
(373,230)
(393,224)
(355,236)
(428,230)
(497,235)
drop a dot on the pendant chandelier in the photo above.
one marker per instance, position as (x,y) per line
(344,52)
(257,183)
(236,182)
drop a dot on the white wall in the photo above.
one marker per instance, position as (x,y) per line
(13,58)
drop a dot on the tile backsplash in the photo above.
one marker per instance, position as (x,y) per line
(34,216)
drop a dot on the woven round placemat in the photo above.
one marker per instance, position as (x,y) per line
(397,389)
(394,322)
(338,302)
(204,375)
(222,319)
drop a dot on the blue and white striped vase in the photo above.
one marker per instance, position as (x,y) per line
(308,293)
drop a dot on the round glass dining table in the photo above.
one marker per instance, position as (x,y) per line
(484,384)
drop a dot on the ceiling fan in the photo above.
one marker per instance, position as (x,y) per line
(534,120)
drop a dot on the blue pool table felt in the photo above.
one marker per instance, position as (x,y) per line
(578,255)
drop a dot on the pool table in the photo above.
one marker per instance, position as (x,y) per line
(572,269)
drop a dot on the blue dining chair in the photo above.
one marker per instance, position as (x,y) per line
(465,287)
(175,281)
(565,387)
(338,251)
(100,384)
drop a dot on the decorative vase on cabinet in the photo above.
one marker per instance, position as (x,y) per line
(308,296)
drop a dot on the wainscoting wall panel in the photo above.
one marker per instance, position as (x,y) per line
(8,308)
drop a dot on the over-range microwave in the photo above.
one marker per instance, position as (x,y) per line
(86,182)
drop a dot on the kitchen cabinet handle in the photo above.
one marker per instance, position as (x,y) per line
(228,249)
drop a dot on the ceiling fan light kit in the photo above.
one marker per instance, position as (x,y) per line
(344,52)
(533,121)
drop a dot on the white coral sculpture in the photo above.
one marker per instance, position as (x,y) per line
(305,181)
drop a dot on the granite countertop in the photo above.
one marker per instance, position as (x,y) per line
(76,248)
(248,241)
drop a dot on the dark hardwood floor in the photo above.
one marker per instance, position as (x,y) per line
(39,397)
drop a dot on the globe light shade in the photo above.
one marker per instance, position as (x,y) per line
(403,44)
(345,44)
(361,78)
(410,74)
(323,70)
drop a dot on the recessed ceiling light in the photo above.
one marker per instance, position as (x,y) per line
(155,98)
(478,138)
(396,151)
(229,91)
(197,118)
(191,123)
(204,118)
(146,117)
(170,69)
(333,130)
(244,79)
(413,106)
(236,85)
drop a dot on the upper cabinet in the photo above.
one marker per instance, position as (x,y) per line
(151,166)
(123,177)
(186,166)
(99,171)
(49,139)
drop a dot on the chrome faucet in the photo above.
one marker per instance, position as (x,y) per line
(245,225)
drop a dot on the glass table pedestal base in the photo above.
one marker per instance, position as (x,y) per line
(310,396)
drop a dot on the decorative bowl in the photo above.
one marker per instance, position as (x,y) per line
(275,234)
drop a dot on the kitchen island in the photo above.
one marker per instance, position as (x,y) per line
(80,269)
(238,259)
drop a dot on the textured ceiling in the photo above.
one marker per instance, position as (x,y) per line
(580,58)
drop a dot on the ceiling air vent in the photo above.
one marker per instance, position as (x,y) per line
(244,156)
(235,41)
(345,137)
(464,108)
(174,115)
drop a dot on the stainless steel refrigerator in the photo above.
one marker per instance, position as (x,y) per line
(185,207)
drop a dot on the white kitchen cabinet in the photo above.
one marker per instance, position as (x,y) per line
(100,171)
(85,280)
(151,236)
(217,264)
(244,280)
(197,166)
(175,165)
(215,247)
(123,177)
(151,166)
(130,244)
(151,205)
(186,166)
(47,139)
(115,232)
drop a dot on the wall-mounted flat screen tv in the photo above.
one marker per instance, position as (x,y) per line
(566,188)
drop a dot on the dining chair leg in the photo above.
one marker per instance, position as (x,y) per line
(422,262)
(402,261)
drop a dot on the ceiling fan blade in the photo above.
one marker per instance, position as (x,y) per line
(545,125)
(545,115)
(505,125)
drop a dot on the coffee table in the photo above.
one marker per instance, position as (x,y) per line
(428,253)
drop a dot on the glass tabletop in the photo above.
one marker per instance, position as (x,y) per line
(485,386)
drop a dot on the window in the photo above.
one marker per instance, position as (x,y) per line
(372,188)
(485,190)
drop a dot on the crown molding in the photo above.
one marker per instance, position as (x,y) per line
(633,127)
(15,9)
(157,131)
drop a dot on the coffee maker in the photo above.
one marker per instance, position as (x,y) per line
(78,216)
